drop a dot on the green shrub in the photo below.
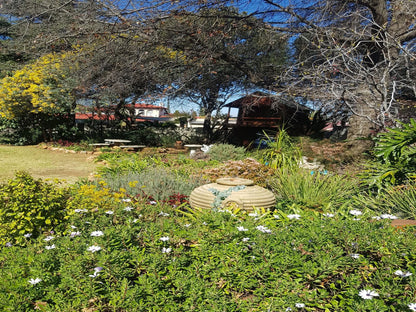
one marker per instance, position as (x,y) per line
(223,152)
(121,163)
(395,158)
(30,206)
(153,135)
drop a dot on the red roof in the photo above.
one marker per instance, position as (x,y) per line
(90,116)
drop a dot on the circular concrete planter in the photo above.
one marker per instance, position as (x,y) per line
(232,191)
(401,223)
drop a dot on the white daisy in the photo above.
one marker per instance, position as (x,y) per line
(166,250)
(402,274)
(293,216)
(97,233)
(73,234)
(388,216)
(263,229)
(242,229)
(35,281)
(80,210)
(368,294)
(94,248)
(96,271)
(48,238)
(356,212)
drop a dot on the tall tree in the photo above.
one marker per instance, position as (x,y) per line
(356,53)
(220,51)
(131,48)
(116,55)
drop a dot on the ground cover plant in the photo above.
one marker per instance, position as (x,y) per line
(148,257)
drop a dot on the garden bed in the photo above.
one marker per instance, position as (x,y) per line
(129,240)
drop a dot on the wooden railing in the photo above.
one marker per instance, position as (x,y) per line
(259,122)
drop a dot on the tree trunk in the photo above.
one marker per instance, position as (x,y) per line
(207,128)
(363,122)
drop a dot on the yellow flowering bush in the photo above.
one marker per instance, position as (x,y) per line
(36,88)
(93,197)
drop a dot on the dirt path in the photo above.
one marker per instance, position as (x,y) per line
(45,164)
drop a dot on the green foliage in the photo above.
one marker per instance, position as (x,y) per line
(312,190)
(35,128)
(154,135)
(8,131)
(30,206)
(120,163)
(395,157)
(281,150)
(224,152)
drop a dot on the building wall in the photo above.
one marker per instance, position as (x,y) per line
(147,112)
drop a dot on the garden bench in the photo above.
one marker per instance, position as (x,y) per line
(193,148)
(117,142)
(132,147)
(98,145)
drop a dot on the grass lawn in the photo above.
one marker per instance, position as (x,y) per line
(45,164)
